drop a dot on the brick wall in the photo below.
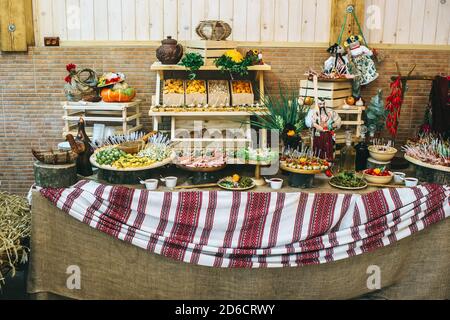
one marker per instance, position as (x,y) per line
(31,92)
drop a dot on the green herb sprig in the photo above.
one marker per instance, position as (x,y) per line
(192,61)
(225,63)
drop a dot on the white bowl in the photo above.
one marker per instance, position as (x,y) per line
(411,182)
(399,177)
(378,179)
(276,183)
(377,153)
(151,184)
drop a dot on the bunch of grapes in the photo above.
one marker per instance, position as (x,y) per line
(109,156)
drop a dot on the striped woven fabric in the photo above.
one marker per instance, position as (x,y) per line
(254,230)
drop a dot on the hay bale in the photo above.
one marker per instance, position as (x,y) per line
(15,226)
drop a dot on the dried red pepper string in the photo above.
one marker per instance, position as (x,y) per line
(393,106)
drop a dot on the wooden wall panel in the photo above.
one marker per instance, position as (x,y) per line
(29,21)
(375,20)
(142,20)
(423,22)
(46,19)
(59,23)
(101,32)
(212,9)
(74,19)
(170,18)
(197,15)
(13,12)
(281,20)
(309,20)
(128,19)
(338,15)
(390,21)
(432,8)
(114,19)
(323,21)
(184,19)
(295,21)
(226,11)
(443,24)
(416,26)
(253,20)
(403,21)
(87,27)
(156,20)
(239,20)
(267,20)
(301,21)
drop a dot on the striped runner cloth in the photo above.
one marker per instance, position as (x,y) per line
(254,230)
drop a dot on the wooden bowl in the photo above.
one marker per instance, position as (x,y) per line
(377,153)
(54,156)
(378,179)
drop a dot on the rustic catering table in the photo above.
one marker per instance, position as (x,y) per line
(415,267)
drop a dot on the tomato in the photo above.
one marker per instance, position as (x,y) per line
(378,172)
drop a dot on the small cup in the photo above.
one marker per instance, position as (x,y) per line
(399,177)
(150,184)
(411,182)
(171,182)
(275,183)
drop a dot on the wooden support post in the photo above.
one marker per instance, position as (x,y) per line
(16,25)
(29,21)
(338,11)
(156,121)
(124,119)
(159,78)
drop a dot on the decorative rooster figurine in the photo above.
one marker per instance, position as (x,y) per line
(82,146)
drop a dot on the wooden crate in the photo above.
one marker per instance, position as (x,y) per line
(195,98)
(333,93)
(174,99)
(209,50)
(239,99)
(219,99)
(125,118)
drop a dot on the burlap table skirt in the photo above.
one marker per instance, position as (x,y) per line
(414,268)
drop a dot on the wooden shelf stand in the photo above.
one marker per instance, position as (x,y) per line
(216,121)
(125,118)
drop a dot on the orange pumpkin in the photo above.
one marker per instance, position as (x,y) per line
(118,95)
(350,101)
(309,101)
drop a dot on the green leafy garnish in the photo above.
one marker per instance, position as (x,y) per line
(225,63)
(192,61)
(348,179)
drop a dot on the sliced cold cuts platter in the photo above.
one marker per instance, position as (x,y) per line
(200,162)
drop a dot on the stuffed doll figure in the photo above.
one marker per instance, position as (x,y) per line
(323,122)
(338,60)
(362,60)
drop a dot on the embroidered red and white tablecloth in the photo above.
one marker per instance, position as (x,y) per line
(254,230)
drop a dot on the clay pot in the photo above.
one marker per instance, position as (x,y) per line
(170,52)
(216,30)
